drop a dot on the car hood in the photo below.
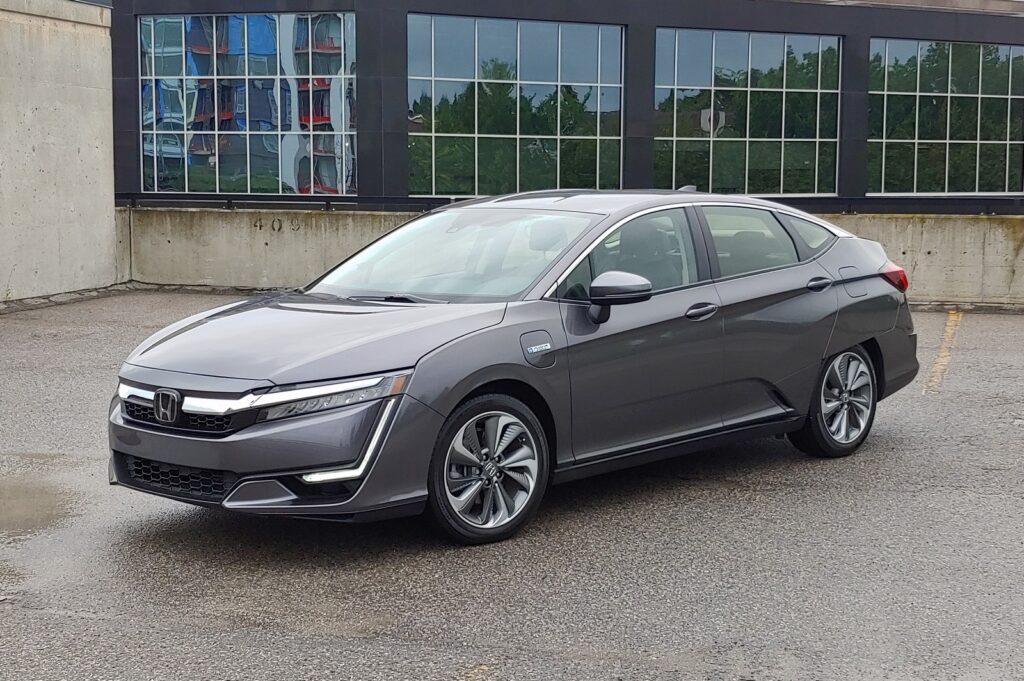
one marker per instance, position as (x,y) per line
(296,338)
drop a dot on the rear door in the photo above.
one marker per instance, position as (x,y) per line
(779,308)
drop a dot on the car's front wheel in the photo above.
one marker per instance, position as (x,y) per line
(489,469)
(843,407)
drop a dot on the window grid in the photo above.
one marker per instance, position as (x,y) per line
(518,83)
(784,90)
(155,138)
(879,144)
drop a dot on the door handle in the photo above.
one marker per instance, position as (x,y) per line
(701,311)
(819,283)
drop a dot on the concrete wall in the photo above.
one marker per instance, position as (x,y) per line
(56,160)
(950,259)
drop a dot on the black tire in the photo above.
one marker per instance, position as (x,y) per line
(814,437)
(446,518)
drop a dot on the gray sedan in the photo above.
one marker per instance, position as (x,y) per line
(465,361)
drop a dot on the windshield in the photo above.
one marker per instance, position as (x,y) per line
(459,255)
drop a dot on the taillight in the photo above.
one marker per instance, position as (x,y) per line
(895,275)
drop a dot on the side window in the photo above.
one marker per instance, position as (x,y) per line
(814,238)
(657,246)
(748,240)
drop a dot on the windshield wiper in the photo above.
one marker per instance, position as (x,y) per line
(401,298)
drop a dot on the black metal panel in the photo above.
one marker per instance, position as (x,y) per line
(381,84)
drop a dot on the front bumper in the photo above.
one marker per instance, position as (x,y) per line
(258,469)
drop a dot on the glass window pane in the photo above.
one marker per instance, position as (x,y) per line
(578,110)
(876,116)
(731,58)
(963,166)
(294,104)
(538,110)
(931,167)
(261,37)
(934,67)
(201,162)
(693,113)
(963,118)
(146,46)
(826,167)
(579,53)
(663,164)
(168,47)
(693,164)
(829,63)
(965,63)
(729,171)
(931,117)
(1017,71)
(148,159)
(147,115)
(453,47)
(264,171)
(1015,168)
(328,57)
(899,167)
(538,163)
(231,100)
(610,111)
(992,168)
(199,46)
(293,35)
(994,111)
(611,55)
(421,108)
(496,109)
(496,49)
(170,163)
(577,164)
(693,58)
(350,44)
(231,46)
(454,107)
(876,65)
(419,41)
(900,117)
(263,106)
(995,69)
(798,167)
(538,53)
(608,173)
(802,62)
(454,165)
(664,57)
(421,154)
(828,116)
(199,104)
(767,56)
(1017,120)
(730,113)
(498,170)
(766,114)
(331,103)
(801,115)
(901,65)
(874,166)
(296,170)
(232,167)
(328,164)
(170,104)
(764,176)
(748,240)
(663,112)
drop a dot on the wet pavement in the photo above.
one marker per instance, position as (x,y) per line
(748,562)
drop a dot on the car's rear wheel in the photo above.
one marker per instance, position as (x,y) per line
(843,407)
(489,469)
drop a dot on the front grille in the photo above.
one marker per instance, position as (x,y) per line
(207,423)
(197,483)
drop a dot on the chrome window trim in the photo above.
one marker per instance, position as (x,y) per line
(220,407)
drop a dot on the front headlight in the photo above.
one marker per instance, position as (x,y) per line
(324,397)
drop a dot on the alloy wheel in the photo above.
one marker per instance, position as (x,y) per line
(491,469)
(847,397)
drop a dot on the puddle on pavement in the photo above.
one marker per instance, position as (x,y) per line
(28,507)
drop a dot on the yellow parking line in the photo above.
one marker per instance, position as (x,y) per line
(942,359)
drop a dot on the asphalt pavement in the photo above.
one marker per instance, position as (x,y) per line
(905,561)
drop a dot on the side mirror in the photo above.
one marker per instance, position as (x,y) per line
(616,288)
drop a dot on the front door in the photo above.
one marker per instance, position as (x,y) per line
(650,372)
